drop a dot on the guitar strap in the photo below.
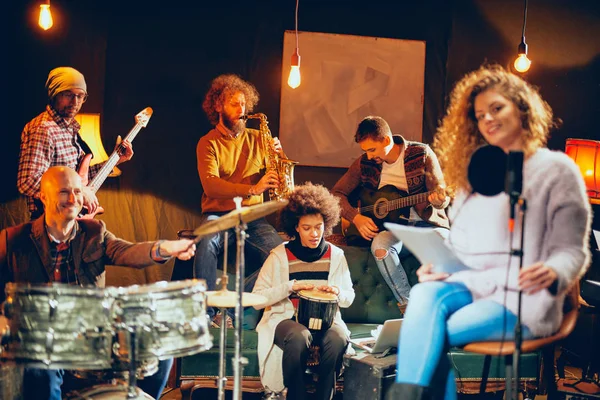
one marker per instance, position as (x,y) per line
(84,146)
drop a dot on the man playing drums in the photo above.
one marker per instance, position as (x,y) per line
(57,247)
(306,262)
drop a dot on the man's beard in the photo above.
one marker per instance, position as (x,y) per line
(234,125)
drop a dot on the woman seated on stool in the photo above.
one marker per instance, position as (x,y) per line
(493,106)
(305,262)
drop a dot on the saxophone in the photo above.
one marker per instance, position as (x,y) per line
(274,162)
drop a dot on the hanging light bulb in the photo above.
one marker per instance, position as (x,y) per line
(45,20)
(294,79)
(522,63)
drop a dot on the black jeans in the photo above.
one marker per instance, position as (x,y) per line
(295,339)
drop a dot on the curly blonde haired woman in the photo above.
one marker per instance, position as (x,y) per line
(493,106)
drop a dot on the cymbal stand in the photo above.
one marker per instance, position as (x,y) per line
(224,281)
(238,360)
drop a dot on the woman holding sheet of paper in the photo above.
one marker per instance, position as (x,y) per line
(495,107)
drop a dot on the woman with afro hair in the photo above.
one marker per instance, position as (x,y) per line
(307,261)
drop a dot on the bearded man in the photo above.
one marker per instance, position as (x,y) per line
(231,163)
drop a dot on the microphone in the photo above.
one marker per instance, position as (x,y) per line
(487,170)
(491,171)
(514,181)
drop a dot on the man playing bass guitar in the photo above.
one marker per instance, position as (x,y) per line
(52,139)
(394,181)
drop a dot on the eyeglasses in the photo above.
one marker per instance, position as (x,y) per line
(70,96)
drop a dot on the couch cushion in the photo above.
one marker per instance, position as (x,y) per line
(374,302)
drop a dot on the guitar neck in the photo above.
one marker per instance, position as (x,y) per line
(112,160)
(402,202)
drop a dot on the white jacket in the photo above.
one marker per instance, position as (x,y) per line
(274,283)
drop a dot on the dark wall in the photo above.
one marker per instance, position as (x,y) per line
(563,45)
(145,53)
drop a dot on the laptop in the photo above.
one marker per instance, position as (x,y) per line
(387,339)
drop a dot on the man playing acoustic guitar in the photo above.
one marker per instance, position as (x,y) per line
(394,181)
(52,139)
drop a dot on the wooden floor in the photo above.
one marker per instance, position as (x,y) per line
(572,374)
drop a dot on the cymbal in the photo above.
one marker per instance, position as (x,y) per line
(229,299)
(246,214)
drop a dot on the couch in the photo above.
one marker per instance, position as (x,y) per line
(374,303)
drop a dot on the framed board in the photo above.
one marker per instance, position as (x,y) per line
(344,79)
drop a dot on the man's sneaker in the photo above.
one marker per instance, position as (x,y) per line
(218,319)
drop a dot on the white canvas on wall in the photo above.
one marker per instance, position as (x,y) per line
(344,79)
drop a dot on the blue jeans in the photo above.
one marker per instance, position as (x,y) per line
(42,384)
(388,252)
(155,384)
(261,239)
(441,315)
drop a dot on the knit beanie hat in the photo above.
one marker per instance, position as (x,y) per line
(64,78)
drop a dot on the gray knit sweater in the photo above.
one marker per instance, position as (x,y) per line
(557,227)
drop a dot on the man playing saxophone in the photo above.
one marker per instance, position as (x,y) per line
(231,160)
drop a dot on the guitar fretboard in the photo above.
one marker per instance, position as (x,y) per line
(142,121)
(401,202)
(112,161)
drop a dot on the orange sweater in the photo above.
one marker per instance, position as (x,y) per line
(228,167)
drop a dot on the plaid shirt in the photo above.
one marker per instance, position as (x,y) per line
(61,260)
(48,140)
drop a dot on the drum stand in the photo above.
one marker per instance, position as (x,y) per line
(133,331)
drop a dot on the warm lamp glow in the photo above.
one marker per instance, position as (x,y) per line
(522,63)
(90,133)
(586,154)
(294,79)
(45,20)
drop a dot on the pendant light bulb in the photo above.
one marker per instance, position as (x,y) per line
(45,20)
(294,78)
(522,63)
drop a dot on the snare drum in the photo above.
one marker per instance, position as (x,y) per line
(169,318)
(58,326)
(316,309)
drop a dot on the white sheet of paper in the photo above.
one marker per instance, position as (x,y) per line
(428,246)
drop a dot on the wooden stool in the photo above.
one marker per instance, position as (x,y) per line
(546,344)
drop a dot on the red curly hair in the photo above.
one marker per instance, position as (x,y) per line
(221,88)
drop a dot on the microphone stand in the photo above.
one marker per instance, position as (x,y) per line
(522,203)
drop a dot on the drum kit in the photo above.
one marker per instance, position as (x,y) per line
(120,332)
(123,332)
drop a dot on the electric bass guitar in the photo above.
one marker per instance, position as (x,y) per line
(141,120)
(387,204)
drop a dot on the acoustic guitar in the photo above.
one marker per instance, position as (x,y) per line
(387,204)
(141,120)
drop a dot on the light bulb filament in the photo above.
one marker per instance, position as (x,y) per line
(45,20)
(522,63)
